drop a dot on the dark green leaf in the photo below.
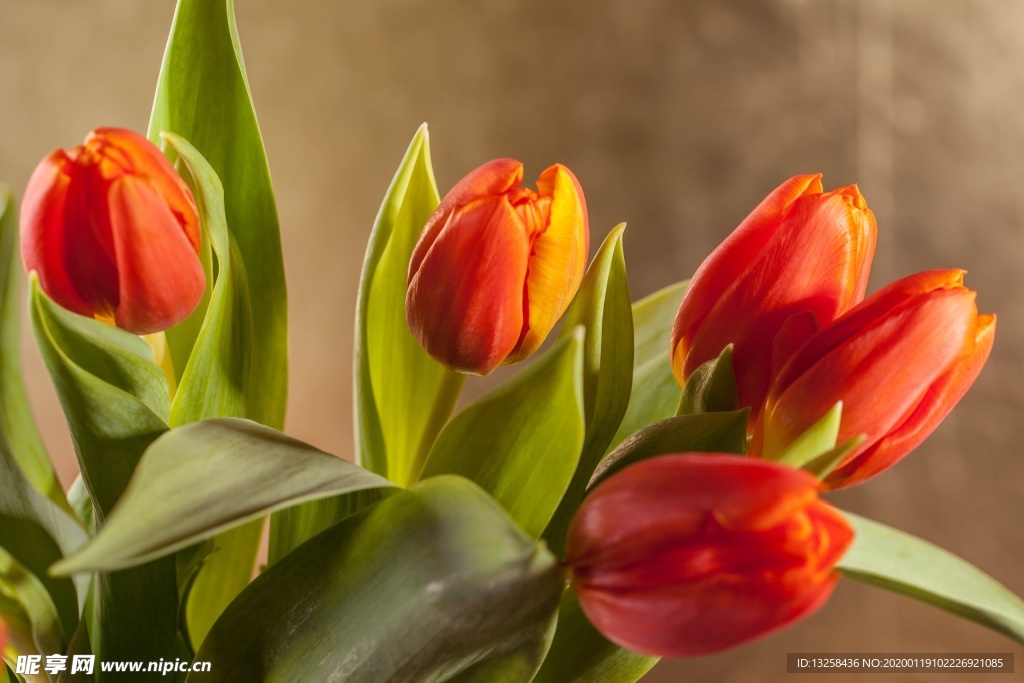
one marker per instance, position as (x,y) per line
(211,476)
(579,654)
(203,96)
(602,308)
(33,603)
(703,433)
(890,559)
(16,423)
(402,396)
(424,586)
(711,388)
(521,442)
(116,403)
(655,394)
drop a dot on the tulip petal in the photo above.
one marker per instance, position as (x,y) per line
(879,374)
(814,262)
(142,159)
(731,259)
(691,554)
(698,619)
(43,237)
(161,279)
(557,261)
(737,495)
(865,314)
(468,289)
(936,404)
(492,179)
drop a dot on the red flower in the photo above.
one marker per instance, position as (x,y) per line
(796,263)
(112,232)
(691,554)
(899,362)
(497,265)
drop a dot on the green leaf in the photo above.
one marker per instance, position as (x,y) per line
(891,559)
(32,597)
(16,423)
(702,433)
(822,465)
(819,440)
(402,396)
(211,476)
(424,586)
(35,533)
(79,646)
(116,403)
(521,442)
(655,393)
(602,308)
(216,381)
(203,96)
(579,654)
(711,388)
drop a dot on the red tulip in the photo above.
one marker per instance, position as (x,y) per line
(899,362)
(691,554)
(796,263)
(497,265)
(112,232)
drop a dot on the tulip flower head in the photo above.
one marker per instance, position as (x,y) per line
(112,231)
(497,265)
(899,362)
(691,554)
(796,263)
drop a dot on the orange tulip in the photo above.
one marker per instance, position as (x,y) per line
(899,362)
(497,265)
(112,231)
(691,554)
(796,263)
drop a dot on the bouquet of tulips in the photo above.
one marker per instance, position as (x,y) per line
(649,485)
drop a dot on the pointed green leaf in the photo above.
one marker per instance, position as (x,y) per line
(655,393)
(32,597)
(579,654)
(16,422)
(890,559)
(216,381)
(602,308)
(424,586)
(521,442)
(823,465)
(711,388)
(208,477)
(203,96)
(818,440)
(116,403)
(703,433)
(35,533)
(402,396)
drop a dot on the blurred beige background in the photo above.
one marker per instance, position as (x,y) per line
(676,117)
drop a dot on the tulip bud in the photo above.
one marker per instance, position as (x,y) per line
(899,362)
(497,265)
(691,554)
(796,263)
(112,231)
